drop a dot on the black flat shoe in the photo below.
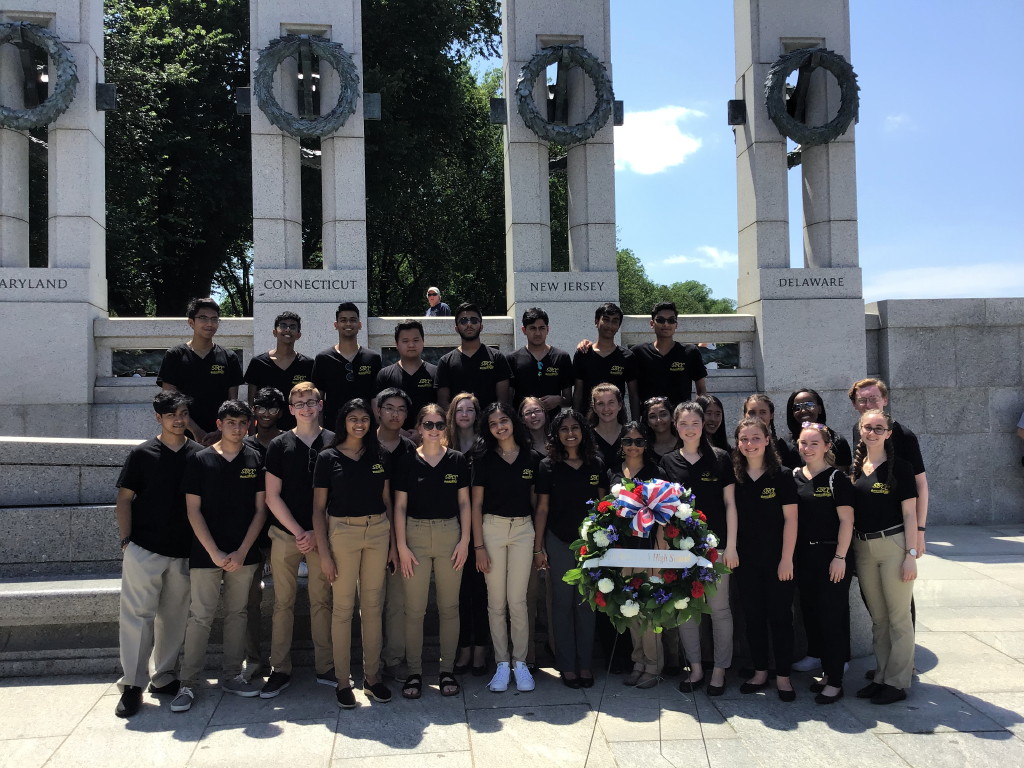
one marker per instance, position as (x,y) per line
(753,687)
(689,686)
(817,687)
(716,690)
(889,695)
(569,682)
(869,690)
(586,682)
(461,669)
(787,696)
(821,698)
(479,671)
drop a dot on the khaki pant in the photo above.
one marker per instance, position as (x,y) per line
(509,543)
(647,650)
(432,542)
(206,595)
(879,565)
(359,546)
(284,564)
(721,629)
(154,611)
(394,619)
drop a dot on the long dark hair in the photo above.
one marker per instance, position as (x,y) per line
(792,423)
(761,398)
(341,430)
(861,452)
(720,437)
(557,452)
(650,457)
(519,433)
(772,462)
(691,406)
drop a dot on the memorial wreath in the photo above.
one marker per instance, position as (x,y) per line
(664,586)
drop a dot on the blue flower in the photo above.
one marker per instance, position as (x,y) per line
(661,597)
(594,574)
(612,533)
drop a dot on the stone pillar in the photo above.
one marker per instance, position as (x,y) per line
(13,166)
(810,321)
(279,281)
(569,298)
(52,309)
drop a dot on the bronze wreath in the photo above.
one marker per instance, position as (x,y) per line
(63,90)
(775,96)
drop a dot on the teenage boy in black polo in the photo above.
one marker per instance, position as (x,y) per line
(610,364)
(282,367)
(226,508)
(204,371)
(410,374)
(155,541)
(472,366)
(665,367)
(538,369)
(346,370)
(290,461)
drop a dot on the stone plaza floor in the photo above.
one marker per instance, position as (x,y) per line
(966,707)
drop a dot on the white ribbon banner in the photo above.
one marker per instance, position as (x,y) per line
(648,558)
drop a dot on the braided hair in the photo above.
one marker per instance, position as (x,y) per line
(861,453)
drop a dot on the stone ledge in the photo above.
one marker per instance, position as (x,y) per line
(64,451)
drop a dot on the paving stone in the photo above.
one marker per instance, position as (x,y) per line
(557,736)
(1010,643)
(302,700)
(431,724)
(1007,709)
(28,705)
(929,708)
(28,753)
(957,750)
(942,593)
(964,663)
(992,618)
(284,743)
(417,760)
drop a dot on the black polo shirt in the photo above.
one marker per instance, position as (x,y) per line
(840,447)
(478,373)
(671,375)
(264,372)
(355,487)
(537,378)
(609,452)
(205,379)
(340,380)
(508,486)
(759,515)
(228,492)
(618,367)
(421,386)
(649,471)
(706,480)
(568,492)
(817,500)
(432,493)
(292,461)
(159,520)
(876,506)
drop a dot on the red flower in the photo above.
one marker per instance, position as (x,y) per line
(600,599)
(672,531)
(636,583)
(703,517)
(669,576)
(697,590)
(604,506)
(713,555)
(583,550)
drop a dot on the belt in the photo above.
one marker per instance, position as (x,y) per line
(811,543)
(879,534)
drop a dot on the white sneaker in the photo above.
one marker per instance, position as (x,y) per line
(524,680)
(807,664)
(183,701)
(241,687)
(499,683)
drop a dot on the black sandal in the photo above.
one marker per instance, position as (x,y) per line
(447,680)
(413,687)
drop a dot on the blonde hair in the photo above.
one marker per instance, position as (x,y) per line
(304,386)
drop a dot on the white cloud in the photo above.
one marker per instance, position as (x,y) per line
(652,142)
(899,122)
(984,280)
(709,258)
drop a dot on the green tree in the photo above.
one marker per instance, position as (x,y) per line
(638,293)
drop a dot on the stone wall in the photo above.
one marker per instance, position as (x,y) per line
(954,367)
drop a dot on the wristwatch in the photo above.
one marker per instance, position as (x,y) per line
(912,552)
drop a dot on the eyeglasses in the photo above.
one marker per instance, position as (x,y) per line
(877,429)
(287,327)
(469,321)
(868,400)
(429,425)
(206,319)
(533,412)
(432,293)
(639,442)
(804,406)
(392,409)
(262,411)
(305,404)
(660,320)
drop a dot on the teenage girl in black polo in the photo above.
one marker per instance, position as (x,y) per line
(766,505)
(825,507)
(352,522)
(657,416)
(707,473)
(761,407)
(884,509)
(535,419)
(568,478)
(607,415)
(432,529)
(714,421)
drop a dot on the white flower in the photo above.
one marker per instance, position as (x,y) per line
(606,585)
(712,540)
(616,490)
(629,609)
(601,539)
(587,525)
(681,604)
(686,543)
(683,510)
(656,580)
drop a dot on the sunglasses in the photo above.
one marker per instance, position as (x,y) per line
(639,442)
(431,294)
(469,321)
(263,411)
(804,406)
(666,320)
(429,425)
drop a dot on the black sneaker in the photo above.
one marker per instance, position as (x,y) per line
(130,701)
(377,691)
(346,698)
(171,689)
(276,683)
(327,678)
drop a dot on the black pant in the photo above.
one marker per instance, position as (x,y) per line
(767,603)
(826,609)
(474,628)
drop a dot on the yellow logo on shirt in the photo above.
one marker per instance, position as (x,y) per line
(882,488)
(550,371)
(487,365)
(451,478)
(365,370)
(298,378)
(677,366)
(594,479)
(247,473)
(768,493)
(377,469)
(425,384)
(824,492)
(217,370)
(616,370)
(527,474)
(708,477)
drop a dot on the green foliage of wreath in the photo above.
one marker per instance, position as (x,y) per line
(271,57)
(564,135)
(64,77)
(775,97)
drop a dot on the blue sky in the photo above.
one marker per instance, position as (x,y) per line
(940,158)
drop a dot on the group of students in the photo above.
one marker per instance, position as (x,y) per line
(478,473)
